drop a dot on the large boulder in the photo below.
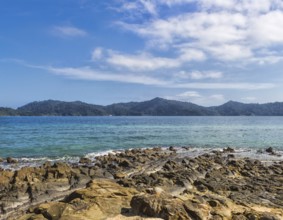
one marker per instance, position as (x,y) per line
(102,198)
(164,206)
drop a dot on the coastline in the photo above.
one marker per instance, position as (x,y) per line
(181,151)
(166,183)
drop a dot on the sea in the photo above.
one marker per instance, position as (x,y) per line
(33,140)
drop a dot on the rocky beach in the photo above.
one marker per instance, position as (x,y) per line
(155,183)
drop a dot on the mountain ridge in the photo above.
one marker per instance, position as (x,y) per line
(154,107)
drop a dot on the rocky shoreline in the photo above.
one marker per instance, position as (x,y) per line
(152,183)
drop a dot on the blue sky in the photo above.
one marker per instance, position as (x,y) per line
(102,52)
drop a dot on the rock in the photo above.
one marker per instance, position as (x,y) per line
(52,210)
(100,200)
(125,163)
(270,150)
(213,203)
(1,160)
(228,150)
(171,148)
(148,182)
(120,175)
(260,151)
(158,206)
(85,160)
(268,216)
(11,160)
(239,216)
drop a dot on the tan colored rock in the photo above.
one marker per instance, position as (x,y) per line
(32,217)
(5,179)
(101,199)
(160,206)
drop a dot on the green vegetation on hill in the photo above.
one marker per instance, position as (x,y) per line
(7,111)
(154,107)
(59,108)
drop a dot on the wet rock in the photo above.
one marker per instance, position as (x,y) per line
(269,150)
(228,150)
(11,160)
(1,160)
(84,160)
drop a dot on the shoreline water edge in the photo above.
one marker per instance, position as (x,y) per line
(157,183)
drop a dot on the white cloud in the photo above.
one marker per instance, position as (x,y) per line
(230,52)
(267,29)
(231,86)
(198,75)
(244,6)
(145,61)
(190,54)
(249,99)
(263,60)
(86,73)
(173,2)
(198,98)
(68,31)
(149,6)
(189,94)
(205,75)
(97,54)
(201,26)
(89,74)
(218,97)
(225,30)
(138,7)
(224,4)
(140,62)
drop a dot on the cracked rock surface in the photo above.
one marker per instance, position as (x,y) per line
(146,184)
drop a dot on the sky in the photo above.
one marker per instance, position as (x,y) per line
(102,52)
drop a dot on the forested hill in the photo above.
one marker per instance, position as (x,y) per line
(154,107)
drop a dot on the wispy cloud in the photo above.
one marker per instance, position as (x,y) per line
(97,54)
(189,94)
(141,61)
(68,31)
(226,30)
(198,98)
(249,99)
(231,86)
(145,61)
(86,73)
(90,74)
(198,75)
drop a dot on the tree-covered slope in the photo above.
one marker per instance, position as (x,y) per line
(51,107)
(154,107)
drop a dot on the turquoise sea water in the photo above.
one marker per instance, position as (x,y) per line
(70,137)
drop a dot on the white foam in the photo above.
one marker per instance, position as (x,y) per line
(93,155)
(185,151)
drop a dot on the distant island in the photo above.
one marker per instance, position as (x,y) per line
(154,107)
